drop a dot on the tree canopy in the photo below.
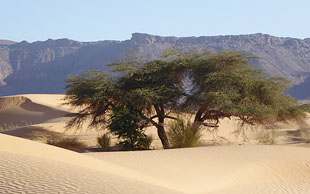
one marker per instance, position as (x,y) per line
(227,84)
(209,85)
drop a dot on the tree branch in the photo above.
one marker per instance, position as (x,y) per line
(170,117)
(150,119)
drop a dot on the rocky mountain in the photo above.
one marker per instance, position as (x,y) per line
(6,42)
(43,66)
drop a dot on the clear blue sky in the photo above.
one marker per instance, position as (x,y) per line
(91,20)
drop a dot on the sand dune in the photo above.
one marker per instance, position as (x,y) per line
(34,132)
(27,166)
(39,117)
(51,100)
(223,169)
(21,111)
(31,167)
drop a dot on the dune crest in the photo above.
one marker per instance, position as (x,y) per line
(9,102)
(16,111)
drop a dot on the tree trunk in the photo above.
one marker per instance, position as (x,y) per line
(163,136)
(198,120)
(160,126)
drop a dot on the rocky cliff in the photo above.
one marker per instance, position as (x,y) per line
(42,67)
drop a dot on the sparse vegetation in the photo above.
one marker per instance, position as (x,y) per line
(222,85)
(183,133)
(67,143)
(125,124)
(147,142)
(304,133)
(104,141)
(268,137)
(12,125)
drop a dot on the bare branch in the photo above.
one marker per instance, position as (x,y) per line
(170,117)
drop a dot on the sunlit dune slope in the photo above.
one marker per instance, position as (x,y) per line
(31,167)
(20,111)
(52,100)
(40,117)
(27,166)
(223,169)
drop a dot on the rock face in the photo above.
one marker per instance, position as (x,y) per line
(42,67)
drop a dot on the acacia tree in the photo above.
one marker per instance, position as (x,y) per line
(155,89)
(226,84)
(96,94)
(221,84)
(151,89)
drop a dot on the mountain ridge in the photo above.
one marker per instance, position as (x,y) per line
(42,66)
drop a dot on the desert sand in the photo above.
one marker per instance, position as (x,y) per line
(236,167)
(30,167)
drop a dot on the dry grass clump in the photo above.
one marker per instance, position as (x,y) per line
(7,126)
(148,142)
(305,134)
(301,135)
(268,138)
(67,143)
(104,141)
(182,133)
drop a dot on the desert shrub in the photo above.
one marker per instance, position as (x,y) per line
(182,133)
(268,137)
(125,124)
(143,142)
(67,143)
(146,142)
(305,134)
(104,141)
(12,125)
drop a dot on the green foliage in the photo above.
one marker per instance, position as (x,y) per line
(224,84)
(125,125)
(147,142)
(149,88)
(104,141)
(96,93)
(184,133)
(153,84)
(67,143)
